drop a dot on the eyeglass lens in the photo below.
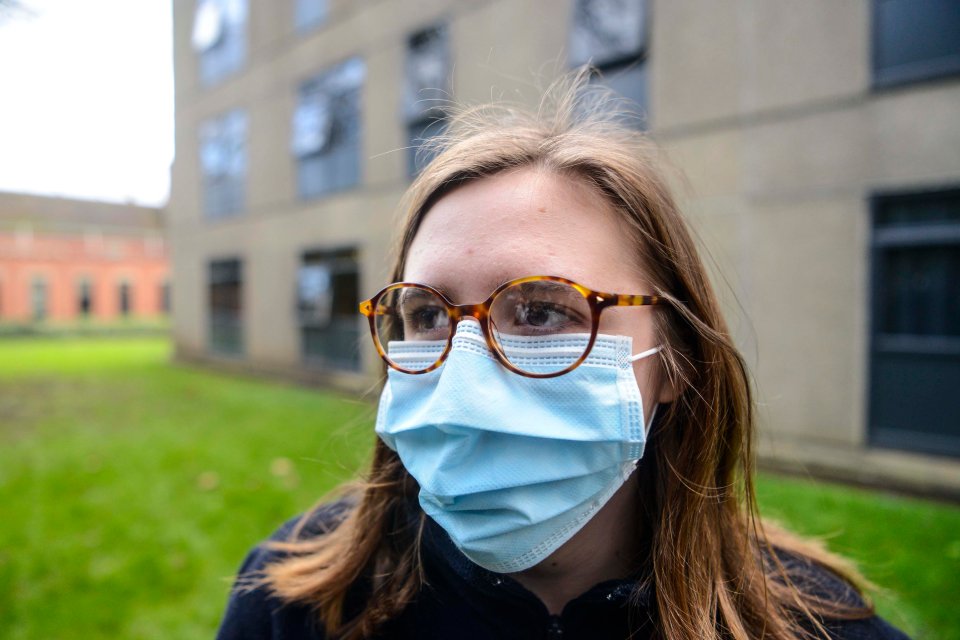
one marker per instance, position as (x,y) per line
(526,316)
(413,326)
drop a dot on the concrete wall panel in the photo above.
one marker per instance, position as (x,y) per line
(796,53)
(696,59)
(806,276)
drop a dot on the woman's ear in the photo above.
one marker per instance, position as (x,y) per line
(670,379)
(668,393)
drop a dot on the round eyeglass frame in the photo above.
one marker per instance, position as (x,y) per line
(597,300)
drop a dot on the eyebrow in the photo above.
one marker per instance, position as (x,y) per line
(446,291)
(495,284)
(412,294)
(443,290)
(546,285)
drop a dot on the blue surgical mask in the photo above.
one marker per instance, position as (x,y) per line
(510,466)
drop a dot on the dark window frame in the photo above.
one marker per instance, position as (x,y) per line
(224,195)
(419,155)
(85,297)
(884,237)
(345,137)
(165,297)
(611,67)
(39,313)
(225,326)
(227,56)
(347,327)
(907,73)
(124,298)
(423,108)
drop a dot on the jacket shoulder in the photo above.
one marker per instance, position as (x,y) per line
(818,581)
(253,611)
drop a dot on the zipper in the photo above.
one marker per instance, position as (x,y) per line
(555,630)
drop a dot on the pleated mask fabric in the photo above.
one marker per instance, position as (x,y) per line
(510,466)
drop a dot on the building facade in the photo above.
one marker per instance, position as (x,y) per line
(818,142)
(67,261)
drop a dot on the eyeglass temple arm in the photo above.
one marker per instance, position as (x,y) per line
(627,300)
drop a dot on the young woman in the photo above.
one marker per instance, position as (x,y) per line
(564,436)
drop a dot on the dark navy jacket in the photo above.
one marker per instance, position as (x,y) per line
(466,602)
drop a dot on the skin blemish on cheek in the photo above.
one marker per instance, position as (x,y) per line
(542,209)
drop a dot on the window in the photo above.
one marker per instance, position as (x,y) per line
(310,13)
(915,349)
(226,306)
(124,303)
(165,304)
(327,300)
(38,298)
(325,140)
(915,40)
(220,38)
(223,163)
(84,297)
(426,90)
(611,36)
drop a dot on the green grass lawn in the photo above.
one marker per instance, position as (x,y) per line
(131,488)
(908,547)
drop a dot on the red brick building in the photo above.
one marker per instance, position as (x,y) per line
(64,260)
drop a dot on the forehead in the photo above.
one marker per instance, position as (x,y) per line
(518,223)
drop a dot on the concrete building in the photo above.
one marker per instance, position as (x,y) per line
(66,261)
(820,143)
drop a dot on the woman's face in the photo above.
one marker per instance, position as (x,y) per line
(528,222)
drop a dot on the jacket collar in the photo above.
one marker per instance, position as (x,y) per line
(440,553)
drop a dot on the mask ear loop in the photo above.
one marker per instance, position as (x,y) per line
(641,356)
(653,414)
(645,354)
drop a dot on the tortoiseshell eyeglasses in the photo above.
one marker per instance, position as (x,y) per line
(413,325)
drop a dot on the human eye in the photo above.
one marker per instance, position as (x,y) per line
(545,316)
(540,308)
(424,319)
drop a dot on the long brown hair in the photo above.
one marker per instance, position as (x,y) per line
(714,568)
